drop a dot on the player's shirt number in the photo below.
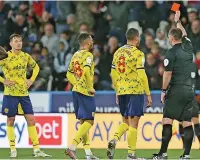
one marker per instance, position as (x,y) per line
(121,64)
(77,69)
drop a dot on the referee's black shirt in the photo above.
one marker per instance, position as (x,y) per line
(178,59)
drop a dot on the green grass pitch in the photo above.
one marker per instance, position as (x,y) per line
(101,153)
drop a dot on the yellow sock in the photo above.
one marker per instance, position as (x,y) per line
(132,139)
(11,137)
(86,144)
(33,136)
(122,128)
(83,129)
(174,130)
(86,141)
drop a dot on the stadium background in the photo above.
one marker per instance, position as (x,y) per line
(50,30)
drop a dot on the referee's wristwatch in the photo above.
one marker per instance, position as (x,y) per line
(179,21)
(164,90)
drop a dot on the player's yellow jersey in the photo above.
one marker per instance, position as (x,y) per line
(81,59)
(127,60)
(14,69)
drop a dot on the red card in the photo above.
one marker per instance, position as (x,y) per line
(175,7)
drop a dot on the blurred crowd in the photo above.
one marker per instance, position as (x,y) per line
(50,30)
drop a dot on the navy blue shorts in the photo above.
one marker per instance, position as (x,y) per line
(131,105)
(10,105)
(84,106)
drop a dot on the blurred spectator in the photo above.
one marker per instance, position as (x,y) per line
(61,63)
(71,19)
(101,27)
(38,8)
(37,46)
(97,85)
(50,7)
(46,55)
(156,52)
(84,15)
(97,53)
(106,62)
(171,22)
(161,39)
(64,8)
(194,34)
(41,81)
(66,36)
(198,77)
(152,72)
(198,59)
(192,15)
(149,17)
(33,29)
(117,15)
(17,24)
(195,4)
(46,18)
(4,9)
(23,7)
(13,4)
(50,39)
(146,47)
(73,42)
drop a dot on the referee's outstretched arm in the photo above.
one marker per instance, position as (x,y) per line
(178,23)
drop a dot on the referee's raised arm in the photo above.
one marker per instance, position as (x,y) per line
(186,42)
(178,23)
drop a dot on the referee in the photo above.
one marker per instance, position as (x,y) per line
(177,79)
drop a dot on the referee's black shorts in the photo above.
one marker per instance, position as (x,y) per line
(195,109)
(178,104)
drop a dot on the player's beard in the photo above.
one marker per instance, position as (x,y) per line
(18,48)
(138,43)
(91,46)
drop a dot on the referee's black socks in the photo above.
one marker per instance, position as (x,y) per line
(166,136)
(188,138)
(181,132)
(197,130)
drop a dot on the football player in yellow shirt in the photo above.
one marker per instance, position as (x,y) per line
(80,74)
(130,83)
(16,93)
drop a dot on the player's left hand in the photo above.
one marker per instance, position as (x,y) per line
(163,94)
(149,101)
(29,83)
(117,100)
(92,91)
